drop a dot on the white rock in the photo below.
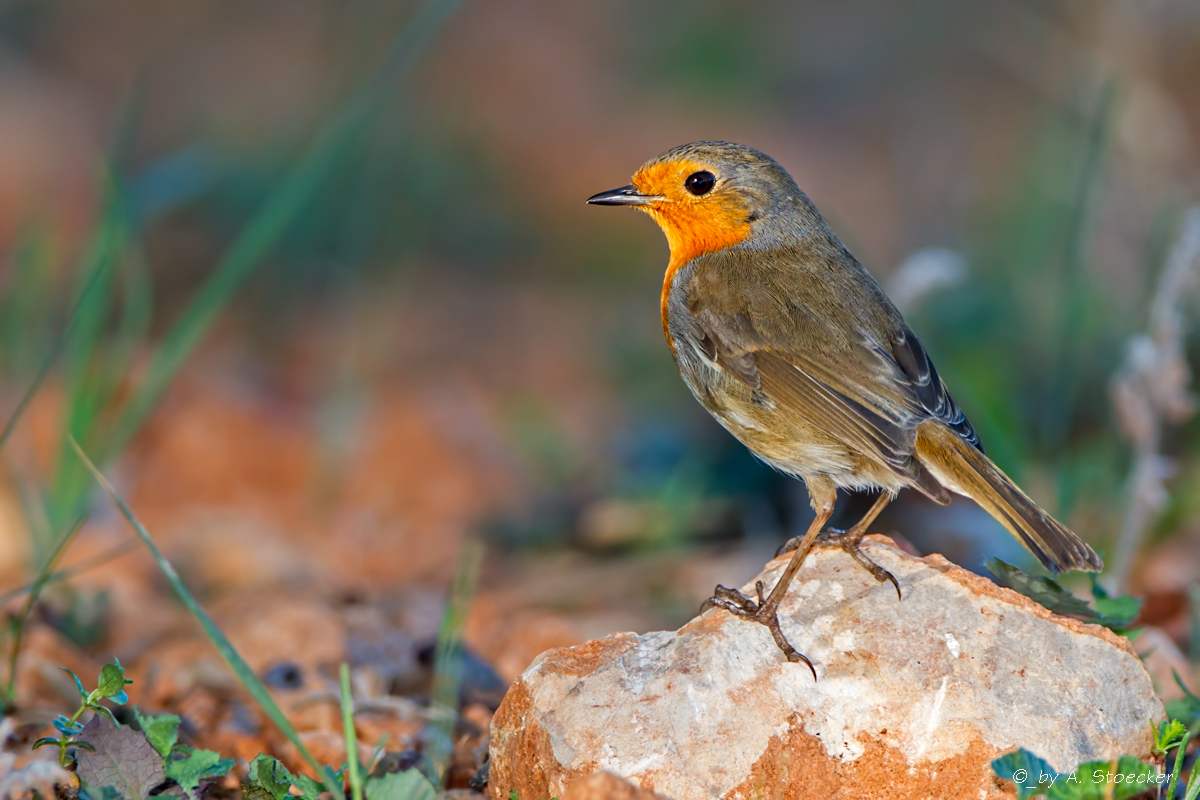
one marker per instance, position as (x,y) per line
(913,698)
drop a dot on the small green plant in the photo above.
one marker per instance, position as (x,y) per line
(269,779)
(109,686)
(410,784)
(1173,735)
(240,668)
(1123,779)
(1021,767)
(121,761)
(448,662)
(1115,613)
(1169,734)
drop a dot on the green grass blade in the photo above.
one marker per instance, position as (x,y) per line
(35,591)
(101,558)
(351,737)
(1193,785)
(27,326)
(235,661)
(335,141)
(84,379)
(1179,754)
(448,658)
(1074,294)
(89,288)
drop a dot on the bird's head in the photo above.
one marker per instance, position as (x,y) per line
(707,196)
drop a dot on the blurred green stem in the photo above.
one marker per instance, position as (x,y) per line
(52,355)
(1194,623)
(1074,295)
(448,659)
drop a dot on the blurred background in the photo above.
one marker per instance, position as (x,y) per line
(318,290)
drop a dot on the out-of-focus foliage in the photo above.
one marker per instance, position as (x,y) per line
(385,344)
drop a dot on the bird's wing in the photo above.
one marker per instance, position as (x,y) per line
(928,387)
(868,388)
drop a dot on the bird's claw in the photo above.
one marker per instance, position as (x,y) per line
(739,605)
(732,601)
(851,542)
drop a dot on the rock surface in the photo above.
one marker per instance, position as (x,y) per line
(914,697)
(607,786)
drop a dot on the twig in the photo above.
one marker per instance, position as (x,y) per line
(1150,391)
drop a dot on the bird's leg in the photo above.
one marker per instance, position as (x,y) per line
(765,610)
(851,540)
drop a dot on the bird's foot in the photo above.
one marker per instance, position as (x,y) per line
(761,612)
(851,542)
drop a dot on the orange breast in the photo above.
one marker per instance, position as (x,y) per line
(693,226)
(691,235)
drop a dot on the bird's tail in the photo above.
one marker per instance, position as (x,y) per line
(964,469)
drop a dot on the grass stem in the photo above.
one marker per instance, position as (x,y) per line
(234,659)
(351,737)
(35,592)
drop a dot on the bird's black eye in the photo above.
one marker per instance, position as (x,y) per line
(699,183)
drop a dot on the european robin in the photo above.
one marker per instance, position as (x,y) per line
(794,348)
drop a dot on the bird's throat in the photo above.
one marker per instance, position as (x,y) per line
(689,236)
(694,225)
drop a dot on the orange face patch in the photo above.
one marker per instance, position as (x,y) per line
(693,225)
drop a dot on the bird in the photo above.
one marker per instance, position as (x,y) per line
(793,347)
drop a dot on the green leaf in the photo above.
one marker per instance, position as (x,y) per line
(123,759)
(1115,613)
(102,711)
(1102,780)
(65,726)
(112,681)
(1193,786)
(1169,734)
(45,740)
(1138,777)
(1126,607)
(407,785)
(1030,774)
(161,729)
(267,779)
(311,789)
(78,683)
(188,771)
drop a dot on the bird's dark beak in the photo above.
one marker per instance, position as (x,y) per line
(625,196)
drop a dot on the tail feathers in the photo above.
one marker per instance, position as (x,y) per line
(964,469)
